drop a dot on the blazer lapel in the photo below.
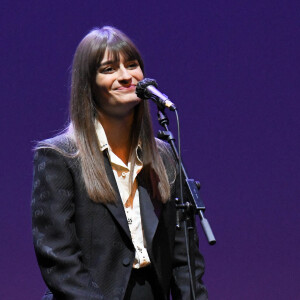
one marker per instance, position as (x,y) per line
(116,209)
(149,215)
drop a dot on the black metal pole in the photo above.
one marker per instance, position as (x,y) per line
(193,186)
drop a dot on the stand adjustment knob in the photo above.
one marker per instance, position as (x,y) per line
(198,184)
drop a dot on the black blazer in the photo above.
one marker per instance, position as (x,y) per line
(84,249)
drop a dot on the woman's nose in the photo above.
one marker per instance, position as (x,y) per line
(124,74)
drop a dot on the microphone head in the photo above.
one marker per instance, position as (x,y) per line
(141,88)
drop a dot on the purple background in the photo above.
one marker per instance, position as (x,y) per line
(231,67)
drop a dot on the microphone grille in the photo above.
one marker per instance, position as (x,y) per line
(141,88)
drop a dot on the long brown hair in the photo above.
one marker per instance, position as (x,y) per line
(83,112)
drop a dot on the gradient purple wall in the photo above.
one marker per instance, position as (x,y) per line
(231,67)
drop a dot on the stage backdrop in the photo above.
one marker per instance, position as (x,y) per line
(231,67)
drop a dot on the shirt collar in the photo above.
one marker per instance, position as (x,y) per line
(104,143)
(101,136)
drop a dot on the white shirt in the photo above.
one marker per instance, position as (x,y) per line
(130,196)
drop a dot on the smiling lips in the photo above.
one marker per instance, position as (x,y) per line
(126,88)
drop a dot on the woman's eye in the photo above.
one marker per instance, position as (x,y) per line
(107,70)
(132,65)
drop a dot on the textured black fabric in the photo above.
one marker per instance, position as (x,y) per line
(143,284)
(84,249)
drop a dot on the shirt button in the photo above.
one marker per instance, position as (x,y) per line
(123,174)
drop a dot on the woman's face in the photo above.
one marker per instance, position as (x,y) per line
(115,85)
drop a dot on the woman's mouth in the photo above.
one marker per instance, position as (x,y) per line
(126,88)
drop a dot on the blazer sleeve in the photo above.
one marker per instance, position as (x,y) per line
(54,234)
(180,284)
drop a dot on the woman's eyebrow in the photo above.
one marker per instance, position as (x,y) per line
(108,62)
(111,62)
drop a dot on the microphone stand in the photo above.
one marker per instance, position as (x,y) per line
(186,211)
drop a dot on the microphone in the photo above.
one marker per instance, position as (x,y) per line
(147,89)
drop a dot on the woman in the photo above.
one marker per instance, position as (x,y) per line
(103,193)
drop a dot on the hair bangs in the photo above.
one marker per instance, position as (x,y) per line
(118,44)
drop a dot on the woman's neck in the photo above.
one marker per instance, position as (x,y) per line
(118,133)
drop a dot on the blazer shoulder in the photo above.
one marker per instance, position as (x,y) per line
(166,153)
(63,143)
(165,150)
(162,146)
